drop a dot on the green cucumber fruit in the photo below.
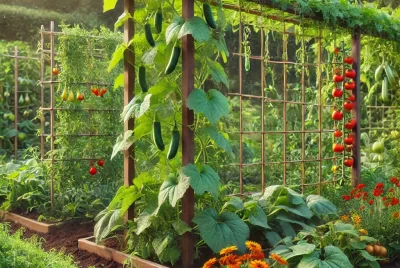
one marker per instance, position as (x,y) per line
(209,16)
(158,19)
(142,79)
(173,61)
(149,35)
(157,136)
(385,89)
(174,145)
(378,72)
(390,75)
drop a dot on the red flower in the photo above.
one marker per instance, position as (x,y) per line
(394,201)
(377,192)
(391,190)
(353,192)
(362,207)
(379,185)
(365,195)
(346,197)
(384,198)
(387,204)
(394,180)
(371,202)
(358,195)
(398,185)
(360,186)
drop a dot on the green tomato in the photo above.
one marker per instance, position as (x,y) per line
(22,136)
(11,117)
(378,147)
(5,116)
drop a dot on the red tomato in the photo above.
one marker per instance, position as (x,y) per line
(348,106)
(102,92)
(337,93)
(338,78)
(95,91)
(337,133)
(349,162)
(80,97)
(337,115)
(100,162)
(336,50)
(92,171)
(348,60)
(350,73)
(338,148)
(352,98)
(349,140)
(350,124)
(350,85)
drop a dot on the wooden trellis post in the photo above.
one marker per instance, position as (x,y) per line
(187,134)
(355,51)
(16,100)
(129,88)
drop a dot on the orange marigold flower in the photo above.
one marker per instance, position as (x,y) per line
(230,259)
(257,256)
(356,219)
(253,246)
(344,218)
(245,257)
(396,215)
(210,263)
(258,264)
(363,231)
(279,259)
(228,250)
(236,265)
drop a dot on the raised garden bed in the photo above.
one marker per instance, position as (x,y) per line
(30,224)
(89,245)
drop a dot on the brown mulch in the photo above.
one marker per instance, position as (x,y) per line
(66,240)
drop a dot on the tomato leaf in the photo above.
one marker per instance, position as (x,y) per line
(197,27)
(171,33)
(212,104)
(203,180)
(219,231)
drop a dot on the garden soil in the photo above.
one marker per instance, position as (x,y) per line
(66,240)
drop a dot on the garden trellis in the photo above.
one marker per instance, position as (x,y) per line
(77,132)
(23,84)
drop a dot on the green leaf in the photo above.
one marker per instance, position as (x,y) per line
(173,189)
(149,56)
(119,81)
(217,72)
(118,55)
(272,237)
(219,139)
(145,218)
(286,218)
(181,227)
(212,104)
(287,229)
(160,243)
(11,133)
(109,4)
(171,33)
(106,224)
(294,251)
(123,142)
(136,107)
(295,198)
(271,193)
(300,210)
(197,27)
(128,201)
(121,19)
(256,215)
(320,205)
(219,231)
(234,204)
(203,180)
(333,257)
(367,256)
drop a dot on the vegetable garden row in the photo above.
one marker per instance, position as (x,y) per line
(253,135)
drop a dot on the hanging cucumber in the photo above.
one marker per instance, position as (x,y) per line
(157,135)
(149,36)
(390,74)
(209,16)
(173,147)
(173,61)
(385,89)
(142,79)
(158,19)
(378,72)
(27,99)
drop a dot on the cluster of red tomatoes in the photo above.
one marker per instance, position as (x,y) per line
(99,92)
(93,169)
(346,100)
